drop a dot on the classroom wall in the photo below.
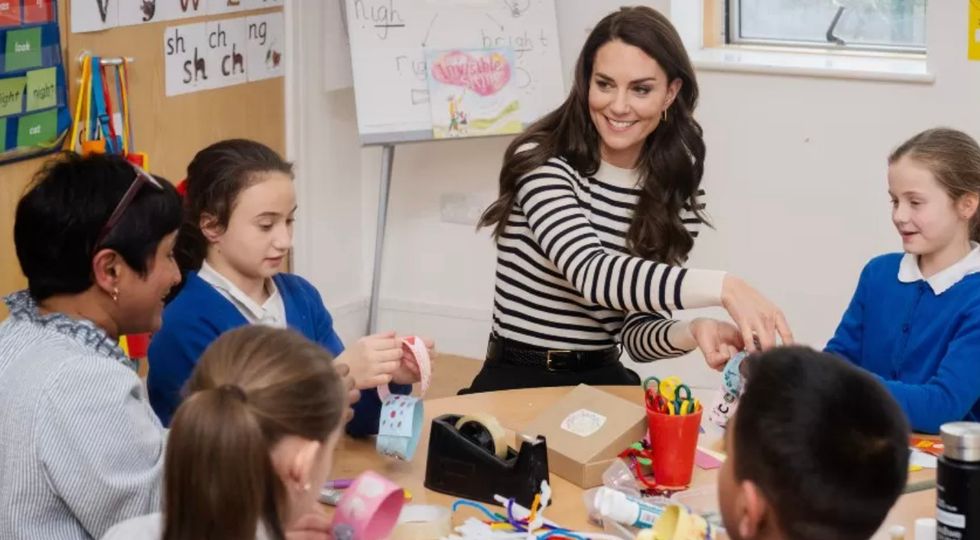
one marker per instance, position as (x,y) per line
(169,129)
(323,143)
(795,175)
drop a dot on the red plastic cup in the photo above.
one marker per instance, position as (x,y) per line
(674,443)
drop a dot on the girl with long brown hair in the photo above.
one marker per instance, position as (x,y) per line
(599,206)
(252,443)
(239,209)
(914,320)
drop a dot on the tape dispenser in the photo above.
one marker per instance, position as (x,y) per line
(469,458)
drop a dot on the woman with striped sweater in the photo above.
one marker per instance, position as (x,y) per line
(598,208)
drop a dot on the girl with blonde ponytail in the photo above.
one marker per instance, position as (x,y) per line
(251,444)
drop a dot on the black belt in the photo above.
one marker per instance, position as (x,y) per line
(507,351)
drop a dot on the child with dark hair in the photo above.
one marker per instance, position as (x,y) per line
(818,450)
(80,447)
(239,207)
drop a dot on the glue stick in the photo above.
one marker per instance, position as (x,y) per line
(626,510)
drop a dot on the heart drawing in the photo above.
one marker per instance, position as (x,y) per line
(485,75)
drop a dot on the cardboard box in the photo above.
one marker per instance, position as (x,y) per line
(586,430)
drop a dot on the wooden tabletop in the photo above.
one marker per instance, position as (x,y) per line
(517,408)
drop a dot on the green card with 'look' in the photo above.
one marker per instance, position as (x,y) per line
(41,88)
(38,128)
(11,92)
(23,50)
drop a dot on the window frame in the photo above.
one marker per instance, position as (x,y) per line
(732,31)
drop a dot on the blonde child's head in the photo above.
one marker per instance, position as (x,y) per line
(934,185)
(253,440)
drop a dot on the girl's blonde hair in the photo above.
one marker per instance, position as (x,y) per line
(252,387)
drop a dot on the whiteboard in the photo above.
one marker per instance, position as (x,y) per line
(389,40)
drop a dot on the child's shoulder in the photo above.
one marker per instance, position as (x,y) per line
(194,292)
(293,282)
(296,288)
(882,264)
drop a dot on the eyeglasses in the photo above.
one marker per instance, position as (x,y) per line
(142,177)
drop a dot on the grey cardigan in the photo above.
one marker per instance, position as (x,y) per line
(80,447)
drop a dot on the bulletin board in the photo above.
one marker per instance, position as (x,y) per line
(169,129)
(33,97)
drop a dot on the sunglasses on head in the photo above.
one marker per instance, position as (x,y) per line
(142,177)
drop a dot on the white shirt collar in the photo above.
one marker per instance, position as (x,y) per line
(270,312)
(909,272)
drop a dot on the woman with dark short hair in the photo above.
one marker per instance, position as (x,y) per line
(81,448)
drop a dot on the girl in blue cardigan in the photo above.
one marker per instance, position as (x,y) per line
(914,320)
(239,204)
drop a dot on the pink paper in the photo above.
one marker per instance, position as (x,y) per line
(706,461)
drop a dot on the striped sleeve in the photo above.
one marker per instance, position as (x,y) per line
(101,446)
(645,337)
(622,282)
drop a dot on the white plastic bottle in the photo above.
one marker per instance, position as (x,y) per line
(626,510)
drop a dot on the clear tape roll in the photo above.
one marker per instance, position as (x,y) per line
(423,522)
(492,427)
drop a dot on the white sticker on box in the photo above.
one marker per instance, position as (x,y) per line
(583,422)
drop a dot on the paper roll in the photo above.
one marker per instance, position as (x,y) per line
(420,355)
(486,431)
(400,428)
(423,522)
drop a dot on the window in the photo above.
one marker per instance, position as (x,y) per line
(870,25)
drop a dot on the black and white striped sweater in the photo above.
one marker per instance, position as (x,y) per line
(564,279)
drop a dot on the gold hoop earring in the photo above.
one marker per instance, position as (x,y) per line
(115,294)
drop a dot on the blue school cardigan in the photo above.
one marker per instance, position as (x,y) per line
(924,347)
(199,314)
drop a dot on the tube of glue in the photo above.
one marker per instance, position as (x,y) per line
(626,510)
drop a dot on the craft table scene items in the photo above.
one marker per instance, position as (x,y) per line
(583,462)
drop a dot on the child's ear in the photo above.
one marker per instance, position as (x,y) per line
(302,465)
(752,510)
(967,205)
(210,227)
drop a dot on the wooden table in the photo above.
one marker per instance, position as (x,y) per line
(517,408)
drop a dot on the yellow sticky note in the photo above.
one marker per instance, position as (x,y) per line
(973,31)
(915,468)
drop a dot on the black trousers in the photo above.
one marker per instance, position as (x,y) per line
(498,374)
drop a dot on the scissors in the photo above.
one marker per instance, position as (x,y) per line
(687,406)
(663,405)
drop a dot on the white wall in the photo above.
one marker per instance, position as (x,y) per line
(795,174)
(323,143)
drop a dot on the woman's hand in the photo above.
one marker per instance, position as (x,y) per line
(718,340)
(755,316)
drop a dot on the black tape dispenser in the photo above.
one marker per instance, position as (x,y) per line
(469,458)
